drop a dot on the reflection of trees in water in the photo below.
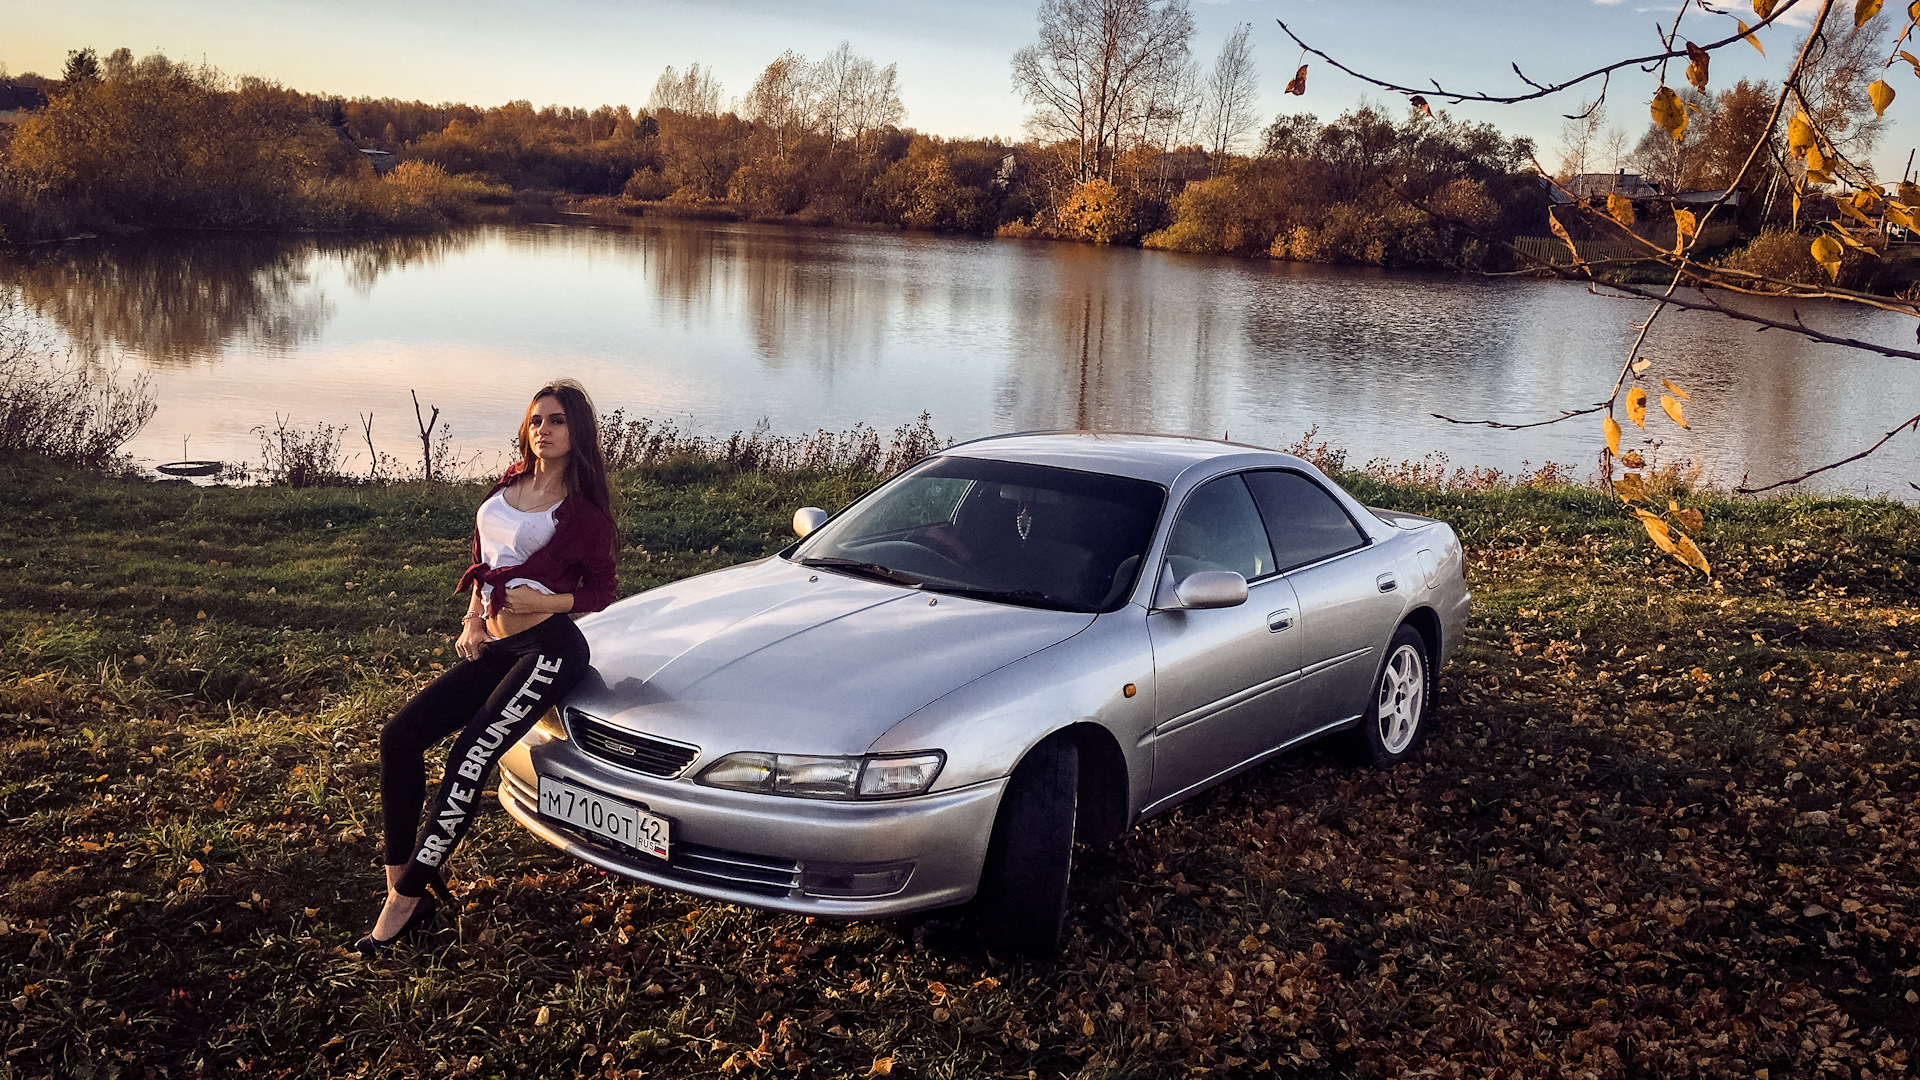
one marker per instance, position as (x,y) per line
(1107,346)
(803,296)
(178,297)
(363,261)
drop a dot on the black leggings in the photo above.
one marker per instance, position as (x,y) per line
(492,701)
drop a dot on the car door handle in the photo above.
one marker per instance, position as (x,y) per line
(1387,582)
(1280,620)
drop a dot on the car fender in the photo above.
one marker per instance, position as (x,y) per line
(986,726)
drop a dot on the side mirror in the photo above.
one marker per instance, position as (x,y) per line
(1211,589)
(808,518)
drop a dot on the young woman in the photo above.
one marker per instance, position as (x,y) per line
(542,547)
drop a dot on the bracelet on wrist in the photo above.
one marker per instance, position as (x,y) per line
(473,617)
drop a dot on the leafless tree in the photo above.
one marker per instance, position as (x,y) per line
(1232,87)
(856,96)
(1097,70)
(694,93)
(1580,140)
(784,99)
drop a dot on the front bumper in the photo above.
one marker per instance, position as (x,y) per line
(756,850)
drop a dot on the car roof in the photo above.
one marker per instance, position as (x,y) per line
(1159,458)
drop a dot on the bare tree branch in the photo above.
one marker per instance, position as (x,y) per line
(1542,90)
(1911,424)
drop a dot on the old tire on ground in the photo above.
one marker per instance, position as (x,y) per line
(1396,716)
(1022,900)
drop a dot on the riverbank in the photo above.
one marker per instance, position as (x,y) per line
(1662,821)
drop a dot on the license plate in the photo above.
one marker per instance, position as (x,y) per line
(605,816)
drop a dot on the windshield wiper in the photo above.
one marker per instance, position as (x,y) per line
(1030,597)
(884,573)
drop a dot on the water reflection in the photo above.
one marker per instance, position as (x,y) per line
(723,325)
(177,298)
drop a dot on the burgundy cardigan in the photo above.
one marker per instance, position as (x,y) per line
(578,560)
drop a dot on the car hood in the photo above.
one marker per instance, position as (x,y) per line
(777,657)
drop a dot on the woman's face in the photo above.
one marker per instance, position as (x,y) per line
(547,430)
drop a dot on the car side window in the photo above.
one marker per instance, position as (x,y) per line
(1305,523)
(1220,529)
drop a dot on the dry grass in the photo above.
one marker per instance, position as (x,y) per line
(1665,826)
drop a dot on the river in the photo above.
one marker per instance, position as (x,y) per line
(722,327)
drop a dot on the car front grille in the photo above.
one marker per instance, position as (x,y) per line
(630,749)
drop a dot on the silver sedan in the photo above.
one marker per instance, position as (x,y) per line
(1018,643)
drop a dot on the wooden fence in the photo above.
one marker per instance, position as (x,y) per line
(1552,249)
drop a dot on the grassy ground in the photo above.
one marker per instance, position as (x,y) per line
(1665,826)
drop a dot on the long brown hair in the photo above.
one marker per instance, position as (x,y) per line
(586,466)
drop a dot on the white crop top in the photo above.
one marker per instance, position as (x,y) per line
(508,537)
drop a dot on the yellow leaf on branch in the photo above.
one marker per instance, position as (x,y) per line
(1912,61)
(1799,133)
(1881,95)
(1612,427)
(1763,8)
(1697,62)
(1676,391)
(1560,231)
(1620,208)
(1826,252)
(1816,162)
(1751,39)
(1637,407)
(1632,460)
(1671,405)
(1910,191)
(1688,518)
(1864,10)
(1669,113)
(1630,487)
(1684,226)
(1688,552)
(1658,530)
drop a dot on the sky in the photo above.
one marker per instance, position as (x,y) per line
(953,58)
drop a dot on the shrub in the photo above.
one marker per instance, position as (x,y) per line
(57,409)
(1097,212)
(1787,256)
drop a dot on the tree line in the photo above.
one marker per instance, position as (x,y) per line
(1131,140)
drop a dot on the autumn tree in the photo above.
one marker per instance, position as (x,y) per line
(1096,72)
(1232,87)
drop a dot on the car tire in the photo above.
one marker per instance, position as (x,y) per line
(1022,901)
(1402,698)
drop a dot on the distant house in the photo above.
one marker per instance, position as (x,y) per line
(382,161)
(1600,185)
(18,100)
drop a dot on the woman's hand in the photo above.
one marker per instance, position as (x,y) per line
(473,638)
(523,600)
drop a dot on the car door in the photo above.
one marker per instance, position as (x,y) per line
(1222,675)
(1349,601)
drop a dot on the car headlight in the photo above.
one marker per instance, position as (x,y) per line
(547,729)
(873,776)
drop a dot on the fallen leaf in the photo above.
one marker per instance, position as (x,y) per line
(884,1066)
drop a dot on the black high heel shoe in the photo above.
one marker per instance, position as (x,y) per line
(418,924)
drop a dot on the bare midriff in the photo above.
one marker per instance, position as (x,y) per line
(507,623)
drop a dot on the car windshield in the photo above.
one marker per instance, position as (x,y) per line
(997,530)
